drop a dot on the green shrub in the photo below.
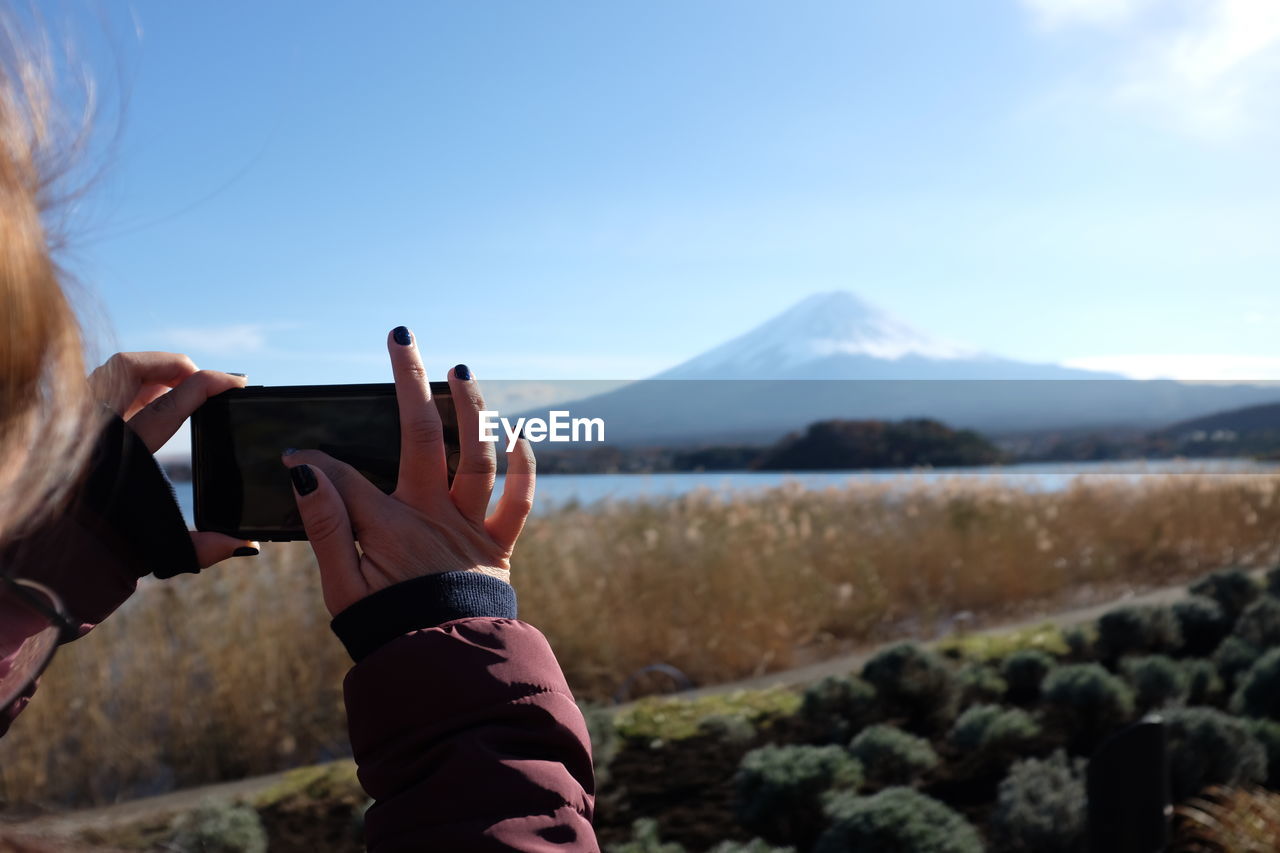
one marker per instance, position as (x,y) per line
(1081,642)
(838,706)
(1208,747)
(645,839)
(896,820)
(1267,733)
(1233,589)
(979,682)
(890,756)
(219,828)
(914,683)
(1202,623)
(1271,581)
(1258,693)
(778,789)
(755,845)
(1233,659)
(1024,672)
(992,728)
(1138,629)
(1087,702)
(604,738)
(666,718)
(729,728)
(1259,625)
(1204,685)
(1158,681)
(1041,807)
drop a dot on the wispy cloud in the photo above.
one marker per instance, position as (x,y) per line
(1220,367)
(1210,66)
(219,340)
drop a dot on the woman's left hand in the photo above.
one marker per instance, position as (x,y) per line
(155,392)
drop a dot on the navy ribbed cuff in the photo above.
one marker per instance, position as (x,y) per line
(423,602)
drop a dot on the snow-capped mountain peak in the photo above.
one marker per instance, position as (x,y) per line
(820,327)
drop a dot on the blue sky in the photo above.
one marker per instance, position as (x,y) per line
(600,190)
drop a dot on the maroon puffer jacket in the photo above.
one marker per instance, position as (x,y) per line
(464,730)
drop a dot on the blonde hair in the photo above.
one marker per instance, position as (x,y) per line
(47,415)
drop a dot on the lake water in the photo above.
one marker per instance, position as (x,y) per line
(558,489)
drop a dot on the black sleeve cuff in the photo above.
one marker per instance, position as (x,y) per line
(129,492)
(423,602)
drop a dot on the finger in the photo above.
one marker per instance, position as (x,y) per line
(160,419)
(516,503)
(423,473)
(477,461)
(362,499)
(118,382)
(328,526)
(215,547)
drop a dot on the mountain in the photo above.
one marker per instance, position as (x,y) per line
(833,355)
(838,335)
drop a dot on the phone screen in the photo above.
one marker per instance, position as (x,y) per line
(241,487)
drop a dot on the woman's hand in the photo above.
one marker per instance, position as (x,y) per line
(155,392)
(425,526)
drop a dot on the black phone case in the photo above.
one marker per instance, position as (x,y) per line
(210,432)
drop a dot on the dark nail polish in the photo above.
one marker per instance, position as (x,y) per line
(241,375)
(304,479)
(462,372)
(245,551)
(289,451)
(402,336)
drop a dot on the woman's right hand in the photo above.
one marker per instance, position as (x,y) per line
(425,526)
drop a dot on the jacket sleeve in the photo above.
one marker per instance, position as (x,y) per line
(465,733)
(122,523)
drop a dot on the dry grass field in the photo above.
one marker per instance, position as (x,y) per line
(234,672)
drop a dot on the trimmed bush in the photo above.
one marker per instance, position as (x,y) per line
(1267,733)
(1233,589)
(644,839)
(219,828)
(978,682)
(896,820)
(1024,672)
(1271,581)
(755,845)
(1233,659)
(914,683)
(1135,630)
(890,756)
(1087,701)
(1041,807)
(1202,623)
(839,705)
(1208,747)
(1259,625)
(1258,694)
(1158,681)
(985,727)
(1204,685)
(1081,641)
(778,789)
(729,728)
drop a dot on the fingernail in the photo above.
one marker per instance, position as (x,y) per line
(245,551)
(462,372)
(289,451)
(402,336)
(241,375)
(304,479)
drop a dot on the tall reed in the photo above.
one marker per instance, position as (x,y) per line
(234,672)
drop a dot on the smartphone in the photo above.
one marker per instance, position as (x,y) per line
(243,489)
